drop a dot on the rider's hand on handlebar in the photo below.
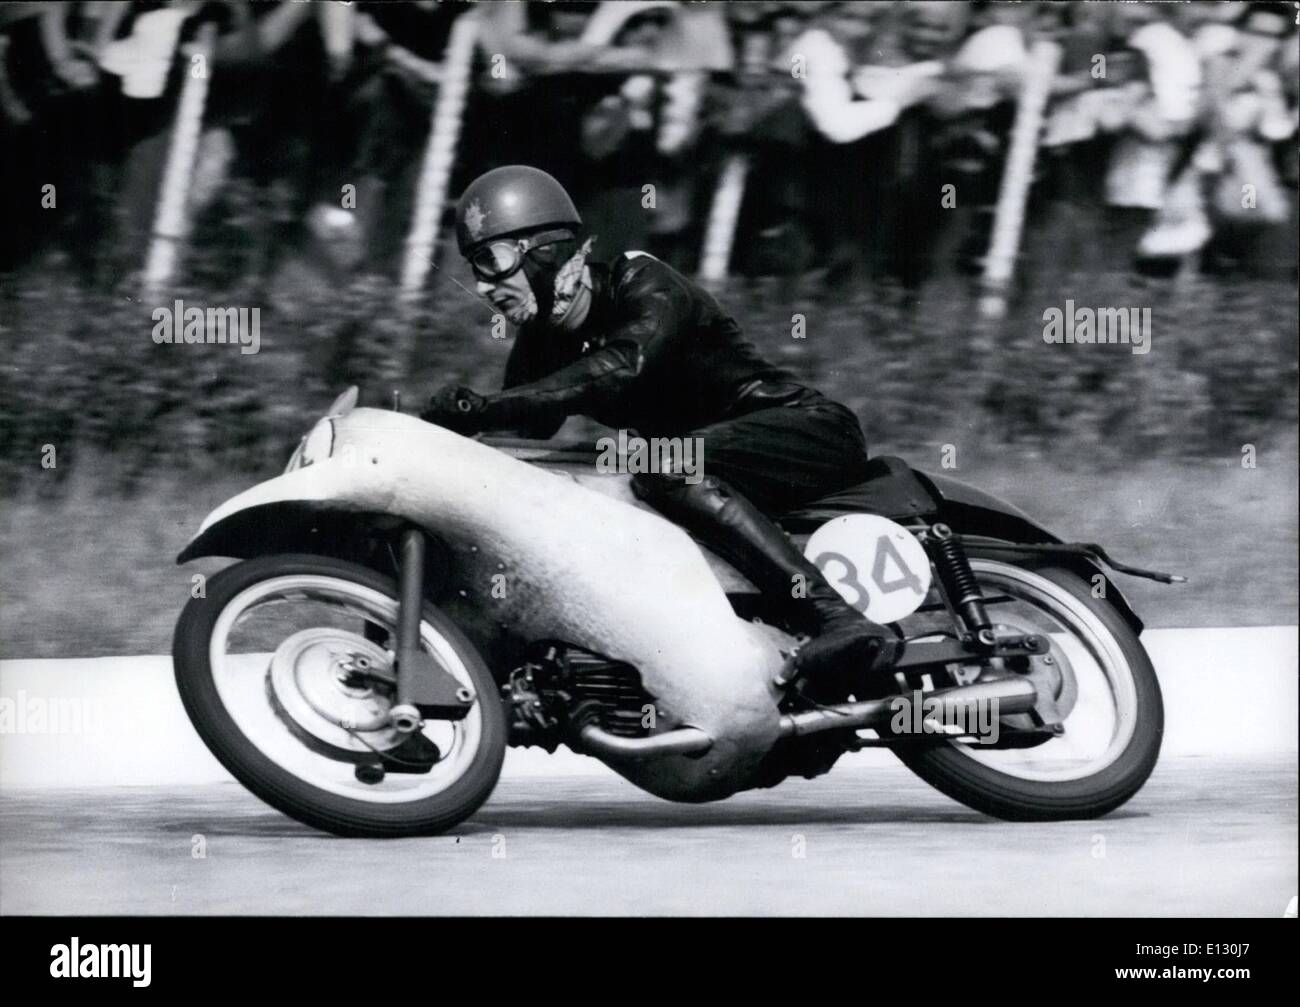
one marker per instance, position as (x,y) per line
(455,407)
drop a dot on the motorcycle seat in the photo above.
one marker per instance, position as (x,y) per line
(891,489)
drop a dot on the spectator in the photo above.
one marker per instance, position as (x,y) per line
(1151,169)
(1248,117)
(759,113)
(850,104)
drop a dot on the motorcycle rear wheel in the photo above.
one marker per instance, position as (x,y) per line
(998,783)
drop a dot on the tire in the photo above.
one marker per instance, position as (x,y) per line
(284,790)
(979,786)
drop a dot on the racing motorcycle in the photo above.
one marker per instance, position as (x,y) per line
(409,602)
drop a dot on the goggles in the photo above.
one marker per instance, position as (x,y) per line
(497,260)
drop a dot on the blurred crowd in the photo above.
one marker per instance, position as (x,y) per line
(872,135)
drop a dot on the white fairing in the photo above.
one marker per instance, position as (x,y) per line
(572,564)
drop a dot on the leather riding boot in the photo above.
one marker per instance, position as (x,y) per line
(845,643)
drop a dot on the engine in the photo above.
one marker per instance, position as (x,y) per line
(559,683)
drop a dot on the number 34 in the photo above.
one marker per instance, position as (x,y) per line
(849,577)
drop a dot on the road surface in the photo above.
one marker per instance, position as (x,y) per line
(1207,836)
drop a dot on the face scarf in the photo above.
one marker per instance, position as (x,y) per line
(554,290)
(572,281)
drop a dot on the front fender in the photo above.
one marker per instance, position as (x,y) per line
(285,514)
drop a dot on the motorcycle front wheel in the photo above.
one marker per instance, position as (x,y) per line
(285,669)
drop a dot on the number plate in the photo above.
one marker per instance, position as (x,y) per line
(878,566)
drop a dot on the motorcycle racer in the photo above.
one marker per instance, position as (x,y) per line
(635,345)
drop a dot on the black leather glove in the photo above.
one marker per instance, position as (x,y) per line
(457,408)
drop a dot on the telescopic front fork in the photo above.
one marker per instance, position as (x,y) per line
(424,688)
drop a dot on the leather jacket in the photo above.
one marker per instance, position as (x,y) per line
(656,354)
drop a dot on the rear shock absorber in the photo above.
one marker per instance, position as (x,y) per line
(959,583)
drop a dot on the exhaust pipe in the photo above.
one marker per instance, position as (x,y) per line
(595,740)
(1013,695)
